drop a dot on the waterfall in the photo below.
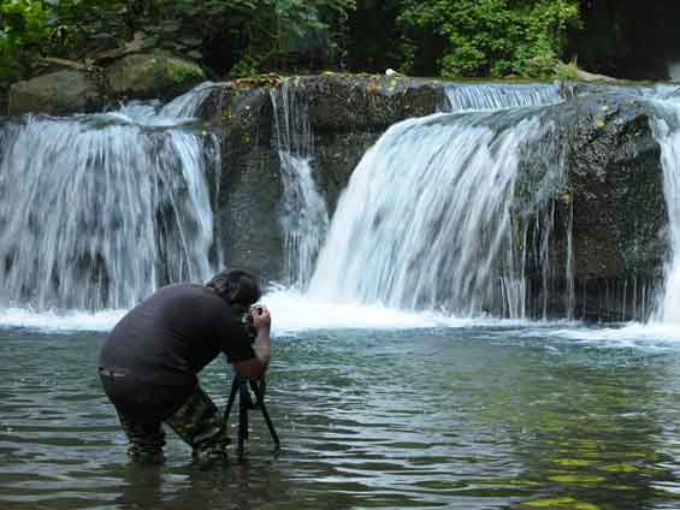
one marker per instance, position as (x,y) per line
(668,136)
(495,96)
(436,216)
(98,210)
(188,105)
(304,216)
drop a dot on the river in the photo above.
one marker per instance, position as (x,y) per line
(430,403)
(470,414)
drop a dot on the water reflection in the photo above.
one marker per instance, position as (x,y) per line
(227,486)
(474,419)
(591,440)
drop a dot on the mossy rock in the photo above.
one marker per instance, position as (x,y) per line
(55,93)
(157,75)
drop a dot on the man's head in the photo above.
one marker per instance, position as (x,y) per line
(236,286)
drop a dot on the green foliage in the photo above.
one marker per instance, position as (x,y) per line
(276,28)
(82,26)
(567,72)
(472,38)
(255,32)
(255,29)
(494,37)
(24,26)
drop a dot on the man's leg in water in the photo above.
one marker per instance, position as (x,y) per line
(199,423)
(146,438)
(139,408)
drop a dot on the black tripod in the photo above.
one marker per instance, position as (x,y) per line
(245,402)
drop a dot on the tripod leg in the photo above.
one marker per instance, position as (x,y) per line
(245,398)
(232,397)
(242,420)
(270,425)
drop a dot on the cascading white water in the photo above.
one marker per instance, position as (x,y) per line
(668,310)
(430,218)
(496,96)
(304,216)
(188,105)
(97,210)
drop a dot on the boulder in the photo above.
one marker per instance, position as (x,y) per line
(55,93)
(614,206)
(151,75)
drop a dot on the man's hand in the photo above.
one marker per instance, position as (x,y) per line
(261,318)
(255,368)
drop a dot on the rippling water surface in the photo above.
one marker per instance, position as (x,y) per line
(472,418)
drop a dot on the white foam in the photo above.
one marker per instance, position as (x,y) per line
(293,312)
(634,334)
(59,321)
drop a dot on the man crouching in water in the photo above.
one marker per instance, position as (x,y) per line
(149,362)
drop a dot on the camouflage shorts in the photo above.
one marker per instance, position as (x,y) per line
(197,421)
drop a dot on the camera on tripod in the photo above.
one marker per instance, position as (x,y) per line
(242,386)
(247,320)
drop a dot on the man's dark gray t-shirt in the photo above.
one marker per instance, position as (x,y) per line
(169,337)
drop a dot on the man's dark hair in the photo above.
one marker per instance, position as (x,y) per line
(236,286)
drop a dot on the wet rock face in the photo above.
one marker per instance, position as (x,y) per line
(616,178)
(615,187)
(249,189)
(342,103)
(347,115)
(613,193)
(619,225)
(338,154)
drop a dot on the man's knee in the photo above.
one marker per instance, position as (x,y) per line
(199,424)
